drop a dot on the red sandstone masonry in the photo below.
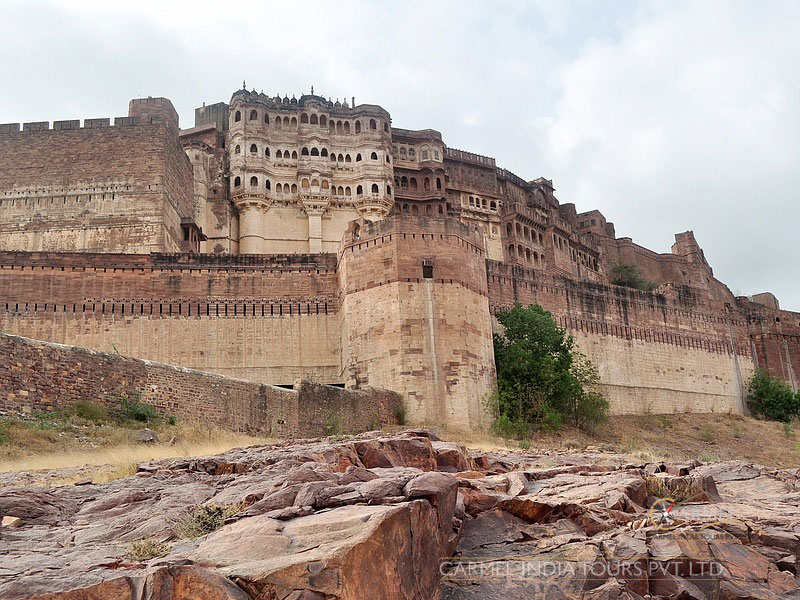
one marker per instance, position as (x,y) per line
(38,375)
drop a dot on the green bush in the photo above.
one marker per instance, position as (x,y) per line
(131,409)
(542,380)
(630,275)
(400,413)
(90,411)
(772,398)
(504,427)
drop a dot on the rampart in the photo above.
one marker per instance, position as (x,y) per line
(125,187)
(266,319)
(43,376)
(672,350)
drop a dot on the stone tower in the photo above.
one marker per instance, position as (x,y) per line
(415,312)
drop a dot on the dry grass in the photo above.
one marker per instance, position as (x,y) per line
(204,518)
(674,437)
(147,549)
(111,449)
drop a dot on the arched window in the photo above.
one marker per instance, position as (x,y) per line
(412,155)
(359,191)
(405,208)
(341,158)
(358,157)
(323,121)
(348,191)
(324,152)
(266,119)
(286,121)
(541,240)
(438,183)
(339,128)
(347,158)
(253,149)
(375,188)
(267,184)
(278,154)
(314,183)
(238,149)
(254,181)
(388,190)
(388,160)
(304,183)
(428,209)
(374,156)
(373,124)
(528,254)
(483,202)
(386,127)
(294,188)
(520,251)
(277,122)
(404,181)
(509,230)
(402,151)
(325,184)
(294,123)
(426,183)
(333,158)
(238,116)
(396,182)
(347,126)
(237,181)
(441,209)
(358,126)
(314,120)
(333,126)
(412,183)
(314,152)
(254,115)
(279,188)
(304,118)
(414,209)
(304,151)
(266,152)
(340,191)
(493,205)
(294,155)
(471,201)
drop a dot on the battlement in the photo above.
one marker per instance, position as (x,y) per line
(73,124)
(471,157)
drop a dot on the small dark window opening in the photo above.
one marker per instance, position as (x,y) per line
(427,268)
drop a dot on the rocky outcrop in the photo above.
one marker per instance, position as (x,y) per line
(406,517)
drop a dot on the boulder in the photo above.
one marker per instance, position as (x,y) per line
(147,436)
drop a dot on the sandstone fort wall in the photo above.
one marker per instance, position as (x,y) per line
(415,312)
(36,375)
(102,187)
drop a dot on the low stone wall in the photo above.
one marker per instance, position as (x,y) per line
(42,376)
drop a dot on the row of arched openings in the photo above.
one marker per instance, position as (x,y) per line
(411,183)
(311,119)
(323,153)
(307,184)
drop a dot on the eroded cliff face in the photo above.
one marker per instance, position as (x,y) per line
(409,517)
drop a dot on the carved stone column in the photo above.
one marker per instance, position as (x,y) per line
(252,222)
(314,206)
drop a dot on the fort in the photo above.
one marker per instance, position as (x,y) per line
(281,239)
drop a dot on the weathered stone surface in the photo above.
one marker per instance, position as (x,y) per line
(318,523)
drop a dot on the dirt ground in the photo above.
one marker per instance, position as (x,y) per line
(704,437)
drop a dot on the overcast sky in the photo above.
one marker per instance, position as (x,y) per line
(666,116)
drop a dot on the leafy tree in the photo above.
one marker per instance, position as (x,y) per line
(772,398)
(630,275)
(542,380)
